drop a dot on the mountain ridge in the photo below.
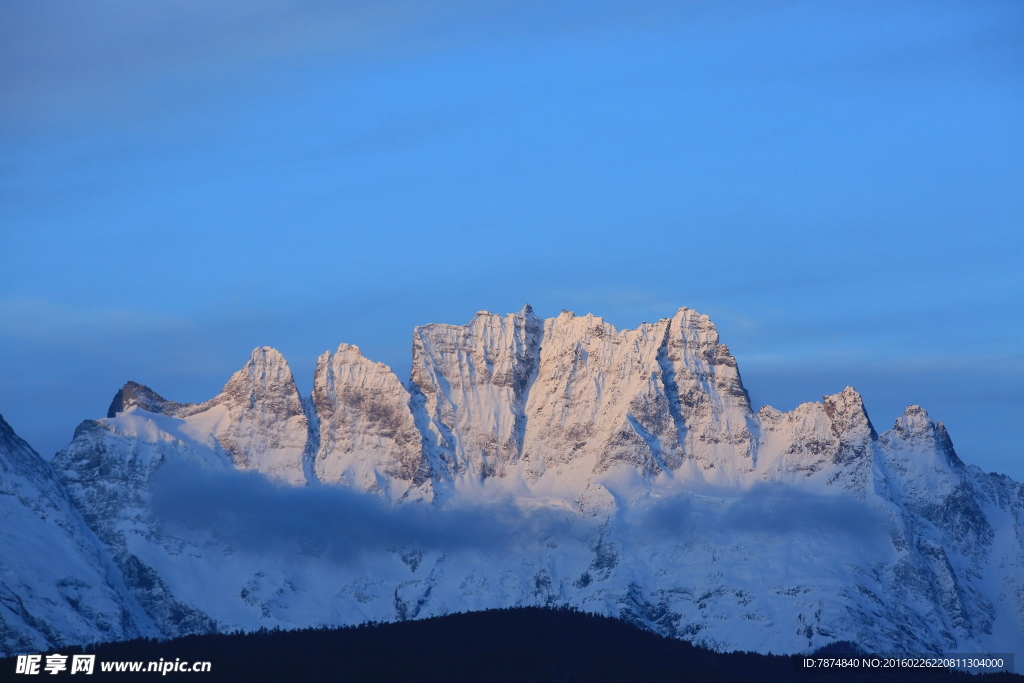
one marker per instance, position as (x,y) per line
(628,468)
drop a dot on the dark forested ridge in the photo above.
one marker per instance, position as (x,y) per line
(519,644)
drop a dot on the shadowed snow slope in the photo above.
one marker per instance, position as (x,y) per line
(58,584)
(539,462)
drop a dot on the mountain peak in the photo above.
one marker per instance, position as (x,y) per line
(914,422)
(349,349)
(6,432)
(135,394)
(847,412)
(266,367)
(915,426)
(266,355)
(11,443)
(696,326)
(268,428)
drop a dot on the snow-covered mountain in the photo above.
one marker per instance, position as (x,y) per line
(529,461)
(58,584)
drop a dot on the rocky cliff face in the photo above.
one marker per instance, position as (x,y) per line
(564,399)
(472,383)
(367,437)
(624,472)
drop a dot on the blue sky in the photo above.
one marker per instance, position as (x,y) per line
(839,185)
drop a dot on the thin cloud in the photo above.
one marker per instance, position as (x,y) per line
(769,510)
(248,511)
(39,319)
